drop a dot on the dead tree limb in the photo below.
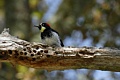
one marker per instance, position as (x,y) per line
(37,55)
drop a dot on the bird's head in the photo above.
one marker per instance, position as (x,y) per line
(43,26)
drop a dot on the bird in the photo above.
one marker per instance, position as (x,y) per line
(49,36)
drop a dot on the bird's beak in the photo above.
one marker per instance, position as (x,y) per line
(36,26)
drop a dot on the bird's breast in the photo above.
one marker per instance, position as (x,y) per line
(53,39)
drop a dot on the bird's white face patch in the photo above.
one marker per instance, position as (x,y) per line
(40,24)
(54,40)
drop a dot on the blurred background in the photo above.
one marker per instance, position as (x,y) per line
(79,22)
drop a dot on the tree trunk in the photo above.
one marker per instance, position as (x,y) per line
(17,14)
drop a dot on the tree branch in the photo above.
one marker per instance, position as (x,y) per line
(37,55)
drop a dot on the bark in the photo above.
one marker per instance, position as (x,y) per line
(37,55)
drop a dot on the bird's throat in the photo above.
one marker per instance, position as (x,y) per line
(42,29)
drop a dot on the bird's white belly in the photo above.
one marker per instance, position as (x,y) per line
(49,41)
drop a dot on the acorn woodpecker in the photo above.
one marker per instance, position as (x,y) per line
(49,36)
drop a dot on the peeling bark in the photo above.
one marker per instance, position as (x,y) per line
(37,55)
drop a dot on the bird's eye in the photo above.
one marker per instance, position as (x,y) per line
(43,24)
